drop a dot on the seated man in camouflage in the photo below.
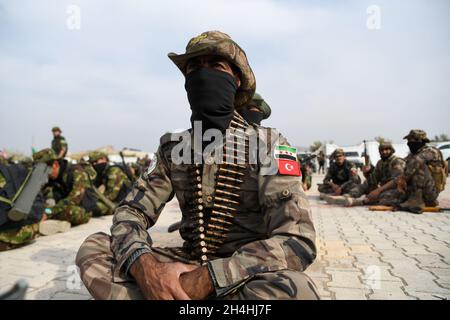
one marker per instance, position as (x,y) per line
(16,234)
(378,186)
(114,179)
(19,231)
(425,174)
(342,176)
(256,110)
(247,234)
(68,193)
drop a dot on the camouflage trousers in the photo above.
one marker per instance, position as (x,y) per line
(387,198)
(423,181)
(14,238)
(76,215)
(325,188)
(96,262)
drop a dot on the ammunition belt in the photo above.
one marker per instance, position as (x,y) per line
(212,225)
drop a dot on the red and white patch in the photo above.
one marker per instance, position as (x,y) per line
(289,168)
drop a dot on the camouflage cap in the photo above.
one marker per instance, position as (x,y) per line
(259,102)
(220,44)
(96,155)
(418,135)
(386,145)
(56,129)
(338,152)
(45,156)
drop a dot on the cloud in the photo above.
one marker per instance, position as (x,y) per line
(324,73)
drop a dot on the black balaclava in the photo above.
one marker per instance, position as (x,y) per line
(415,146)
(211,94)
(100,168)
(252,116)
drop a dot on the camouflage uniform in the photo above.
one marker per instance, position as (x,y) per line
(261,254)
(2,181)
(421,187)
(58,143)
(115,180)
(16,237)
(385,171)
(12,239)
(345,176)
(68,191)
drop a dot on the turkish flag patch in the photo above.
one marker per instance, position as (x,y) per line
(289,168)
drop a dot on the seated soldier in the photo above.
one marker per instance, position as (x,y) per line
(342,176)
(425,174)
(68,192)
(115,179)
(378,185)
(247,231)
(14,179)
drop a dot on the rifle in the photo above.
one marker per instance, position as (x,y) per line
(308,159)
(391,208)
(18,292)
(100,196)
(126,168)
(174,227)
(111,205)
(366,155)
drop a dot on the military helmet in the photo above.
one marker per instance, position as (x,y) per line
(45,156)
(56,129)
(417,135)
(386,145)
(338,152)
(259,102)
(220,44)
(96,155)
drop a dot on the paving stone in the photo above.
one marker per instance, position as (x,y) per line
(345,279)
(410,254)
(350,294)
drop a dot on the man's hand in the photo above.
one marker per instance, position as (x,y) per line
(367,170)
(337,190)
(401,184)
(372,196)
(160,281)
(197,284)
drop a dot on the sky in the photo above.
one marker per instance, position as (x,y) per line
(330,70)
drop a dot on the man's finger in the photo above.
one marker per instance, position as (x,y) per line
(180,294)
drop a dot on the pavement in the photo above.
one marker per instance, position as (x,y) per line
(362,255)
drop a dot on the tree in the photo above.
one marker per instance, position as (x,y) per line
(441,138)
(315,146)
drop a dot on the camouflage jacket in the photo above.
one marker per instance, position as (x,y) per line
(70,186)
(2,181)
(271,230)
(386,170)
(58,144)
(426,156)
(342,175)
(116,183)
